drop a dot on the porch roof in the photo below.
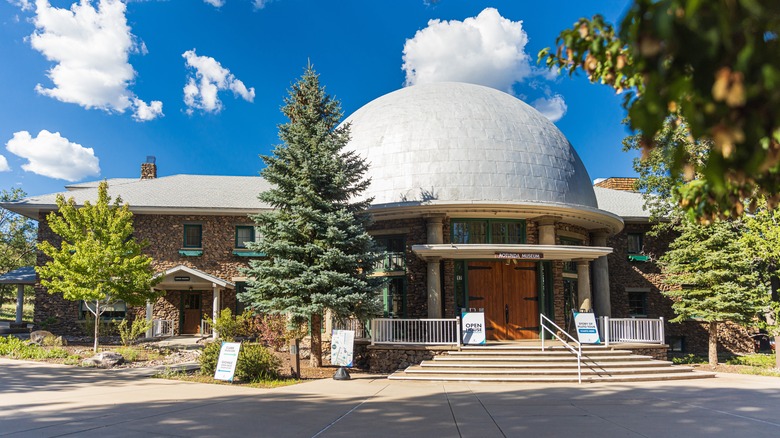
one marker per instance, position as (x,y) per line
(520,252)
(23,275)
(183,277)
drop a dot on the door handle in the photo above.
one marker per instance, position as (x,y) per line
(506,314)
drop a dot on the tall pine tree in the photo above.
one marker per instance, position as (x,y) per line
(714,279)
(319,255)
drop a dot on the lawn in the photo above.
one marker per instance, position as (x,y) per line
(758,364)
(8,311)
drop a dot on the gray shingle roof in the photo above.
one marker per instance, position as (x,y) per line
(628,205)
(176,193)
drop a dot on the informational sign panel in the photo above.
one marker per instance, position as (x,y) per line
(587,330)
(228,358)
(473,328)
(520,255)
(342,343)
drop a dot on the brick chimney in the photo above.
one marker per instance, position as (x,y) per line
(624,184)
(149,168)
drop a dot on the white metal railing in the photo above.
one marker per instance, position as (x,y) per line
(361,328)
(632,330)
(162,328)
(444,331)
(205,328)
(577,352)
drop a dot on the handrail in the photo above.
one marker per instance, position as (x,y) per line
(632,330)
(577,352)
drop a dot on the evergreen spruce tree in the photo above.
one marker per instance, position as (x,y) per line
(319,255)
(713,279)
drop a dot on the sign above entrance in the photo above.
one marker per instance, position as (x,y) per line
(520,255)
(182,278)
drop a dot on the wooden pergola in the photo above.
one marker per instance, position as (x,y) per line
(20,277)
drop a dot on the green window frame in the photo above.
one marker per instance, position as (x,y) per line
(394,297)
(637,303)
(114,311)
(193,236)
(495,231)
(244,234)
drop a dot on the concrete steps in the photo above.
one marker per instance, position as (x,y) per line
(518,363)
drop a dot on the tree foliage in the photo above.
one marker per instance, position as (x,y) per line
(17,236)
(319,255)
(714,281)
(712,63)
(98,261)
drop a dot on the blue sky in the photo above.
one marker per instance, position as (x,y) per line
(87,91)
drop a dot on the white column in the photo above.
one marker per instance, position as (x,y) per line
(19,302)
(583,286)
(435,235)
(215,310)
(434,288)
(603,306)
(546,231)
(150,317)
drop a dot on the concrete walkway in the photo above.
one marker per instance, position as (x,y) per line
(50,400)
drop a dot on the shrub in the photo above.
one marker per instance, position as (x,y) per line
(130,354)
(255,362)
(16,348)
(107,328)
(689,359)
(129,333)
(229,327)
(273,331)
(754,360)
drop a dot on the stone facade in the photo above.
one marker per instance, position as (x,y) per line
(390,358)
(646,277)
(164,235)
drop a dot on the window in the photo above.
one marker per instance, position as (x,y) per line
(394,297)
(676,344)
(502,231)
(395,253)
(635,244)
(115,310)
(244,235)
(637,303)
(193,234)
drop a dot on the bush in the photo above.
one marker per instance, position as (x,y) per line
(229,327)
(689,359)
(17,349)
(754,360)
(273,331)
(255,362)
(129,333)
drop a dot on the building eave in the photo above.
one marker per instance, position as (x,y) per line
(488,251)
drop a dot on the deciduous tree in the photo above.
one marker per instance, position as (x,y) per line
(98,261)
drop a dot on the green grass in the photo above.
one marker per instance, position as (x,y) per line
(8,311)
(689,359)
(15,348)
(136,354)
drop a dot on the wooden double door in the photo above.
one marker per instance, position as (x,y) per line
(509,293)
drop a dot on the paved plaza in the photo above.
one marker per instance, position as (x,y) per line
(46,400)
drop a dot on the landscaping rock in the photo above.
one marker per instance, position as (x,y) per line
(107,359)
(38,336)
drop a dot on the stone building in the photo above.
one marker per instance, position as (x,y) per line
(480,201)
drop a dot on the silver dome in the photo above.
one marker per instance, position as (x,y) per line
(456,143)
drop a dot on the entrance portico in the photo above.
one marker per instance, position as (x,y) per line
(191,286)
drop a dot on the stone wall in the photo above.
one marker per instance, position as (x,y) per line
(164,235)
(625,274)
(416,233)
(390,358)
(657,352)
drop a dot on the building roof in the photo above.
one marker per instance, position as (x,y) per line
(456,143)
(23,275)
(182,194)
(626,204)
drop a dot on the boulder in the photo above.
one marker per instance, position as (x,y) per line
(106,359)
(38,336)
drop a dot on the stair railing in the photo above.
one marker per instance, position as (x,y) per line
(577,352)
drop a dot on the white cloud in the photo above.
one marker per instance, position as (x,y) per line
(553,108)
(260,4)
(90,48)
(487,49)
(4,165)
(215,3)
(207,78)
(144,112)
(50,154)
(25,5)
